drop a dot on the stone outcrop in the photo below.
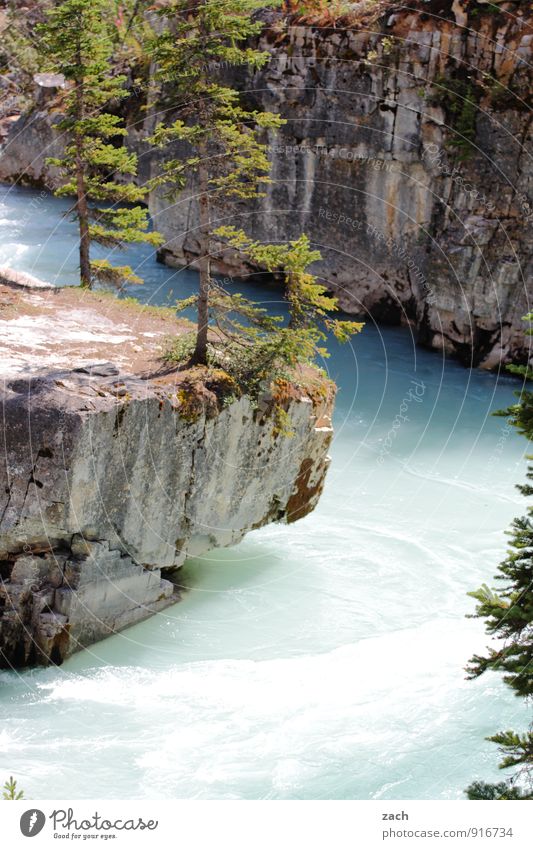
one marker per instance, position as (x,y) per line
(30,141)
(406,157)
(113,477)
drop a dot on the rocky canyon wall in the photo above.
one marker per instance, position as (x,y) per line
(406,157)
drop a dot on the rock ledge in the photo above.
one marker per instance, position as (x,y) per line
(108,486)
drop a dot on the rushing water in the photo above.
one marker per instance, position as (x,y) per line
(320,660)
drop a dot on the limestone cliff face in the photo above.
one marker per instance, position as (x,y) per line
(110,482)
(406,157)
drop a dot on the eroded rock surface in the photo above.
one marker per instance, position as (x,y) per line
(406,157)
(109,483)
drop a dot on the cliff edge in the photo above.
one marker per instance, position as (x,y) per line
(116,469)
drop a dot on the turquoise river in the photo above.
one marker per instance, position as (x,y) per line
(318,661)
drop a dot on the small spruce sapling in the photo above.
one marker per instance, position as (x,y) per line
(310,304)
(10,791)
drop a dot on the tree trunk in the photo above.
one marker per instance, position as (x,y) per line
(83,220)
(82,209)
(204,261)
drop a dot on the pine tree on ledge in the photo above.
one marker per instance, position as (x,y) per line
(224,152)
(76,41)
(509,616)
(310,304)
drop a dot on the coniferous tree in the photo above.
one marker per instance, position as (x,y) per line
(76,41)
(11,792)
(230,162)
(258,347)
(508,616)
(310,304)
(196,39)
